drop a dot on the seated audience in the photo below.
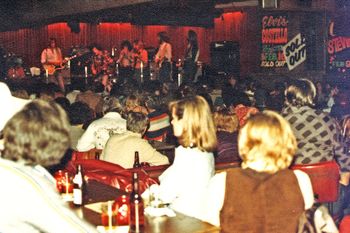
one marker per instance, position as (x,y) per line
(264,195)
(120,149)
(99,131)
(186,180)
(227,135)
(34,138)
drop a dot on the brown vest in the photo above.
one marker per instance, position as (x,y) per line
(257,202)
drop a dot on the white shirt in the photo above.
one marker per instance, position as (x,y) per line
(30,203)
(184,183)
(99,131)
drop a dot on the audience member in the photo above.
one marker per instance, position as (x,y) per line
(120,149)
(63,102)
(80,115)
(134,103)
(264,195)
(317,133)
(159,122)
(227,135)
(99,131)
(186,180)
(93,97)
(9,104)
(34,138)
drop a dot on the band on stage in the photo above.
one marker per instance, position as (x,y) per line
(133,65)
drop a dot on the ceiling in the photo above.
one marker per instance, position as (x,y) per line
(16,14)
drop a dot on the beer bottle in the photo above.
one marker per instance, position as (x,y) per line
(78,186)
(136,160)
(136,222)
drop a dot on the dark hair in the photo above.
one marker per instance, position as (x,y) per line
(63,102)
(38,134)
(126,43)
(163,37)
(96,46)
(80,113)
(192,38)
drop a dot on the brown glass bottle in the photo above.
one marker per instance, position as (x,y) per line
(137,219)
(136,160)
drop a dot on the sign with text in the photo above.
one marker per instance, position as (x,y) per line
(295,51)
(338,47)
(274,34)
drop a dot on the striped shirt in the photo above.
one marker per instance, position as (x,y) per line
(159,126)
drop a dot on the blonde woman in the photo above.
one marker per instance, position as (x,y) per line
(185,181)
(264,195)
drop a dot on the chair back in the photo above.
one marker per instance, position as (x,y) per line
(324,178)
(344,226)
(110,174)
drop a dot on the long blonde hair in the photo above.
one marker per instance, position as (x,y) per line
(198,125)
(266,143)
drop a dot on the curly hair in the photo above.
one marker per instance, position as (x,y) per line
(38,134)
(266,143)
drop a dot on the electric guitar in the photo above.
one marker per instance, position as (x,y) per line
(51,69)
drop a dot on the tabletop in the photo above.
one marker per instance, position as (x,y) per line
(98,192)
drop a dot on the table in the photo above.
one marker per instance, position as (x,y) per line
(97,192)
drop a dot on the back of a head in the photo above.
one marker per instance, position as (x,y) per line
(198,125)
(111,104)
(137,122)
(300,93)
(266,143)
(38,134)
(80,113)
(226,120)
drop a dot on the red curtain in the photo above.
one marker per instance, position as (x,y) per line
(235,26)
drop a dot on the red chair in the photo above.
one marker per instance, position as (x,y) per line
(344,226)
(110,174)
(324,178)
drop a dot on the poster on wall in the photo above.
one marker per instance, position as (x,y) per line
(338,47)
(274,35)
(295,51)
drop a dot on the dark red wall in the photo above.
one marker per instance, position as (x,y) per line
(235,26)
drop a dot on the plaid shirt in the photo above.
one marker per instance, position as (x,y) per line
(317,135)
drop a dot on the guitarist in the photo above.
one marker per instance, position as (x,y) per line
(51,58)
(163,57)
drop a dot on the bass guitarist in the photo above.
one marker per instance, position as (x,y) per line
(52,59)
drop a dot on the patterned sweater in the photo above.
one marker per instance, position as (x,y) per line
(317,136)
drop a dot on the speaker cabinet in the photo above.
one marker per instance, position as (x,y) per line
(224,57)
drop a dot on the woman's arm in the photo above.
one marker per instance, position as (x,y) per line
(305,188)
